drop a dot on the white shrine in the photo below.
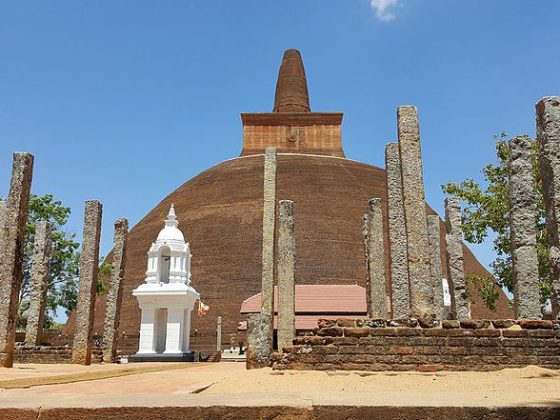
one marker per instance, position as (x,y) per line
(166,298)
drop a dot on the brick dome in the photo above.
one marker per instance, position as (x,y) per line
(221,216)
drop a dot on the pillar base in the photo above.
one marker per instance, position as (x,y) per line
(162,357)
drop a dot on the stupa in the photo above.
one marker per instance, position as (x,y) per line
(166,298)
(223,207)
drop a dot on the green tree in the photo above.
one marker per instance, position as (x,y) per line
(486,210)
(63,268)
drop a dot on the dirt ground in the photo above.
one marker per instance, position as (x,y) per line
(154,385)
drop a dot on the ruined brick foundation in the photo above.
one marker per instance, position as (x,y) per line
(410,345)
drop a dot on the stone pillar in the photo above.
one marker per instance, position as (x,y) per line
(434,235)
(219,335)
(455,259)
(269,217)
(2,213)
(285,270)
(523,232)
(375,287)
(258,341)
(89,264)
(397,234)
(12,245)
(114,296)
(39,283)
(548,137)
(419,270)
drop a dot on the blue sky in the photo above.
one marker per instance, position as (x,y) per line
(123,101)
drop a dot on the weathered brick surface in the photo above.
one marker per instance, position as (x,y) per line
(222,210)
(479,347)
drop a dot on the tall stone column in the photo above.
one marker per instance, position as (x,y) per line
(397,233)
(375,288)
(89,265)
(523,232)
(419,270)
(219,335)
(258,342)
(548,138)
(12,245)
(114,296)
(455,258)
(269,217)
(435,253)
(286,282)
(39,283)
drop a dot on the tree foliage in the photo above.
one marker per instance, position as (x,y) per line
(63,263)
(486,210)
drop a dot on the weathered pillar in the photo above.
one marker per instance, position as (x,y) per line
(2,213)
(523,232)
(435,254)
(269,216)
(455,259)
(114,296)
(258,341)
(397,233)
(286,283)
(375,287)
(39,283)
(89,264)
(12,245)
(419,271)
(219,335)
(548,138)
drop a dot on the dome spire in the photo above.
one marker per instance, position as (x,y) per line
(291,87)
(171,220)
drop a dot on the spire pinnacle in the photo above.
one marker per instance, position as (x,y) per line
(291,87)
(171,218)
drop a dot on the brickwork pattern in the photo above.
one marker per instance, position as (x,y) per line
(404,345)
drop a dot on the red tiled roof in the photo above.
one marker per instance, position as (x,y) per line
(318,299)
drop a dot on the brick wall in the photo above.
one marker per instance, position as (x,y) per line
(398,345)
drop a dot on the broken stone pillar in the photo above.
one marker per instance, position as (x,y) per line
(419,270)
(397,233)
(114,296)
(39,283)
(435,254)
(269,216)
(89,265)
(286,283)
(548,138)
(12,246)
(375,287)
(523,232)
(455,258)
(258,341)
(219,335)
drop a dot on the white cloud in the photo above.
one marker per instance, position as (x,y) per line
(384,9)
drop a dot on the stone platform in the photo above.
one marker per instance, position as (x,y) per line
(226,390)
(408,345)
